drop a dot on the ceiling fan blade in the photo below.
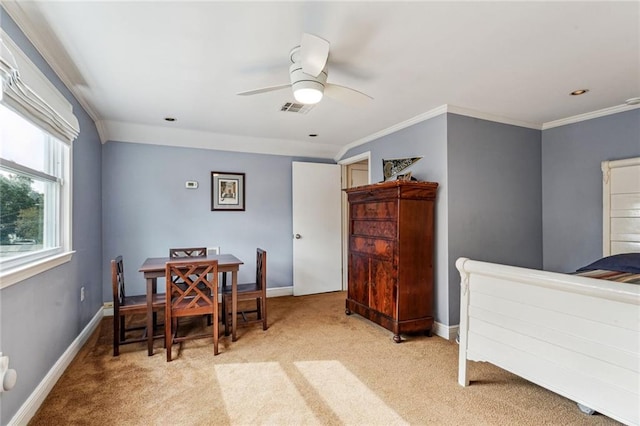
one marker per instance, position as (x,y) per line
(347,95)
(264,90)
(314,52)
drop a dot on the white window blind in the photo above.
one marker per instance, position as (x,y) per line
(28,92)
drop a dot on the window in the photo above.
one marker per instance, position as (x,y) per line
(37,127)
(33,199)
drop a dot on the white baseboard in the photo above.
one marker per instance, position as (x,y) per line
(107,310)
(271,292)
(448,332)
(279,291)
(37,397)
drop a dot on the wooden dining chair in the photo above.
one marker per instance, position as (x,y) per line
(179,253)
(255,291)
(199,297)
(125,306)
(187,252)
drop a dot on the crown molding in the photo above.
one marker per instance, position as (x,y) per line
(485,116)
(137,133)
(443,109)
(167,136)
(392,129)
(102,131)
(589,116)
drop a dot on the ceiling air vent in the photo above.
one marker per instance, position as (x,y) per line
(295,107)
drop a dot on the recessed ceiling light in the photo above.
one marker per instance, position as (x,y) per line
(579,92)
(632,101)
(170,119)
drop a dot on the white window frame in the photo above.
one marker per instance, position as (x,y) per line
(53,103)
(14,270)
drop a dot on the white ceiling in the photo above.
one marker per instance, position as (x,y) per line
(133,63)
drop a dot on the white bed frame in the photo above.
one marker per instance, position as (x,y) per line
(576,336)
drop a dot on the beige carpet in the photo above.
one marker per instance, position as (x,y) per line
(314,365)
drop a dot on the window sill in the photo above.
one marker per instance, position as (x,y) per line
(16,275)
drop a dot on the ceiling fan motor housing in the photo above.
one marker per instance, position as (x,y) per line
(301,80)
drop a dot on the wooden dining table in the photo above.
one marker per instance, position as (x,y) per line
(154,267)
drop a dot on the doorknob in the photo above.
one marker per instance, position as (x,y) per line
(298,236)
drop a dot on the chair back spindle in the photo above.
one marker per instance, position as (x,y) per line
(187,252)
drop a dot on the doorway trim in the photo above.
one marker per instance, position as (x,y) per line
(345,209)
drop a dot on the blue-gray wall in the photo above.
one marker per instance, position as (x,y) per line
(147,209)
(571,179)
(495,197)
(41,316)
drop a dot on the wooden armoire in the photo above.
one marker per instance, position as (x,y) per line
(391,255)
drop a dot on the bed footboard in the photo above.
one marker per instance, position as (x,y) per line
(576,336)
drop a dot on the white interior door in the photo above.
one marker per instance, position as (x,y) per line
(317,249)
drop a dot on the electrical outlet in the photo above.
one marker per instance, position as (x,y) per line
(108,305)
(82,294)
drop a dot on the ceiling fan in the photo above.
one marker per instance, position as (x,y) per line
(308,73)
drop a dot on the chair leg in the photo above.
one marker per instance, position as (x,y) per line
(263,302)
(225,315)
(225,303)
(116,335)
(168,336)
(122,327)
(164,341)
(216,333)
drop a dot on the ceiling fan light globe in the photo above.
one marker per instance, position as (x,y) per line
(307,95)
(307,89)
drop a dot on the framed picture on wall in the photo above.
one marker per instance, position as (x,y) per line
(227,191)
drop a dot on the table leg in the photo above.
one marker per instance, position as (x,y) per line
(225,317)
(234,304)
(151,288)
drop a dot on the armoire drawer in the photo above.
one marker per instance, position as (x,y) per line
(372,246)
(374,210)
(374,228)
